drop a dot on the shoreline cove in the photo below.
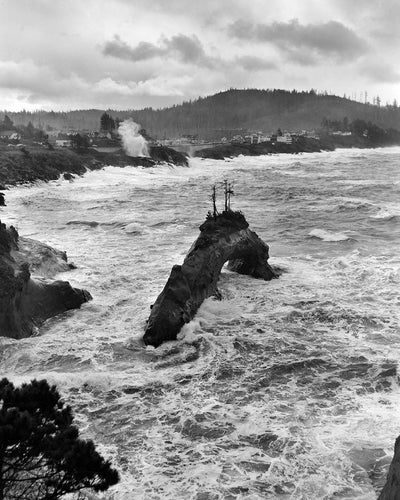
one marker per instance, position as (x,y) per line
(281,389)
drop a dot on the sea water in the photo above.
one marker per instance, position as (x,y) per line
(286,389)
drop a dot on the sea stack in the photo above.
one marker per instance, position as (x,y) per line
(224,237)
(25,303)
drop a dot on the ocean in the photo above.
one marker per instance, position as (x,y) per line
(286,389)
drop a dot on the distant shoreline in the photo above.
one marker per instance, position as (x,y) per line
(29,164)
(301,145)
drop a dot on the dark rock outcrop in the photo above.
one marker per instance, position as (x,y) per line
(222,151)
(391,490)
(26,302)
(228,238)
(168,155)
(158,154)
(31,163)
(2,200)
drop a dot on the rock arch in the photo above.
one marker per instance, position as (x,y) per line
(225,238)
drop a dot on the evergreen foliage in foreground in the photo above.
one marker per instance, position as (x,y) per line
(41,455)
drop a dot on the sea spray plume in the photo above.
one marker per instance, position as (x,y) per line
(134,143)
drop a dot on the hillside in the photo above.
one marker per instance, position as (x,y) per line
(260,110)
(229,111)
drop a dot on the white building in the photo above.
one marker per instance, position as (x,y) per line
(63,143)
(10,134)
(285,138)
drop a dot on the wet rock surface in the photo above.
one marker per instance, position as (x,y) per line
(226,238)
(26,302)
(391,490)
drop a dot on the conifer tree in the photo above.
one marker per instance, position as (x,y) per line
(41,455)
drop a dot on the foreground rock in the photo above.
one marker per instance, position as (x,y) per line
(26,302)
(228,238)
(391,490)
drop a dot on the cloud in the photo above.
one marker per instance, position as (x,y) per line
(120,49)
(27,76)
(177,50)
(331,39)
(254,63)
(189,49)
(33,83)
(182,47)
(378,71)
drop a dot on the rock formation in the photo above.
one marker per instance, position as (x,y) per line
(168,155)
(391,490)
(31,163)
(226,238)
(26,302)
(158,154)
(2,200)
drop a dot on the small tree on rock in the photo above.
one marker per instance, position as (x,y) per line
(41,455)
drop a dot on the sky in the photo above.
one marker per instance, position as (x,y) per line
(130,54)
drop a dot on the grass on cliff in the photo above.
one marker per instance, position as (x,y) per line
(25,164)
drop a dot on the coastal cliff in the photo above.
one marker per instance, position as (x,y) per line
(31,163)
(225,238)
(25,302)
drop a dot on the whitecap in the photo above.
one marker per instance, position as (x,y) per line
(324,235)
(383,214)
(133,228)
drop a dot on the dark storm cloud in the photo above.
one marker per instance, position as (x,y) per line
(120,49)
(190,49)
(331,39)
(184,48)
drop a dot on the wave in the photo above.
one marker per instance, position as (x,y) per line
(324,235)
(133,228)
(90,223)
(384,214)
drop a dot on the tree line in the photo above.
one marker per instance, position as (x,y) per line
(212,116)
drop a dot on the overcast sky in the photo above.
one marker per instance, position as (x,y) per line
(69,54)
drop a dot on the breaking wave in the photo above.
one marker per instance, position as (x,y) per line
(286,389)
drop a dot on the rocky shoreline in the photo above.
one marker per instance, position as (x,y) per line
(300,145)
(29,164)
(28,296)
(27,301)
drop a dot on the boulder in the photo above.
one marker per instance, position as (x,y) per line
(225,238)
(26,302)
(2,200)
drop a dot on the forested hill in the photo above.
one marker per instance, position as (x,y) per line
(225,112)
(261,110)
